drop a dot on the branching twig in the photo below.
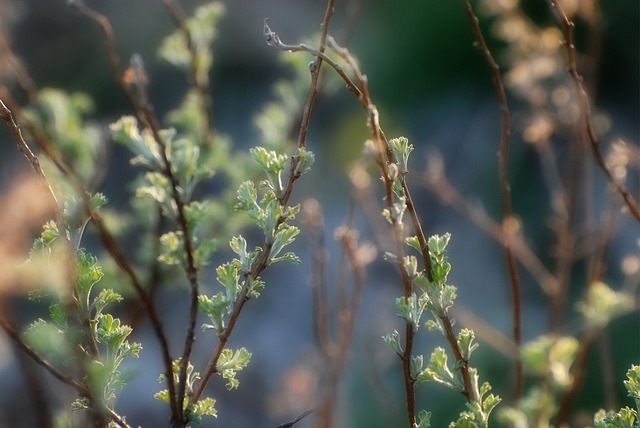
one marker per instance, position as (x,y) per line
(585,109)
(201,85)
(335,347)
(505,189)
(384,157)
(7,116)
(262,263)
(114,59)
(190,268)
(437,182)
(81,389)
(110,245)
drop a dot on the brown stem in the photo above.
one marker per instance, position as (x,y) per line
(505,189)
(190,268)
(262,263)
(82,390)
(585,109)
(449,195)
(201,86)
(114,60)
(7,116)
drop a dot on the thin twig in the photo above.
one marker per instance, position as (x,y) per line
(437,182)
(262,263)
(201,85)
(296,420)
(585,109)
(190,268)
(110,245)
(81,389)
(114,59)
(505,189)
(7,116)
(348,302)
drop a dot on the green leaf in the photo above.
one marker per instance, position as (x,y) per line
(625,418)
(410,310)
(438,371)
(393,340)
(111,333)
(50,232)
(247,200)
(633,384)
(228,276)
(602,304)
(87,273)
(172,249)
(58,315)
(106,297)
(216,308)
(285,235)
(401,150)
(125,131)
(465,342)
(414,243)
(424,419)
(305,161)
(158,190)
(438,244)
(552,357)
(230,363)
(204,407)
(80,404)
(97,200)
(162,395)
(416,365)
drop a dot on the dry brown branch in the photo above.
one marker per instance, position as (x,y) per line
(585,109)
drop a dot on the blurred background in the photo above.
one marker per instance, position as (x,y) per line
(431,85)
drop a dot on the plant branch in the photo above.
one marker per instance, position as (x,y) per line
(585,109)
(114,60)
(201,85)
(81,389)
(578,378)
(435,180)
(505,189)
(190,268)
(108,242)
(7,116)
(263,262)
(384,157)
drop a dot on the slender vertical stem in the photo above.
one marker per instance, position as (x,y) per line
(505,190)
(585,109)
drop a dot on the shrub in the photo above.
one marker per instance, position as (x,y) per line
(199,201)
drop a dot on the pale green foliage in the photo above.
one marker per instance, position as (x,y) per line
(401,150)
(477,413)
(424,419)
(602,304)
(63,340)
(393,340)
(230,363)
(203,407)
(626,417)
(202,31)
(551,357)
(436,297)
(62,118)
